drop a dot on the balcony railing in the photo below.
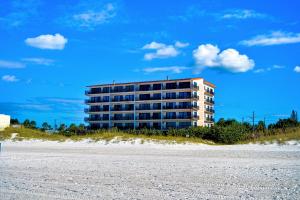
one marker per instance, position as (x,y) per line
(113,118)
(210,110)
(137,89)
(210,101)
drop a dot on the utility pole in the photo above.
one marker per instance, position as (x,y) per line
(253,117)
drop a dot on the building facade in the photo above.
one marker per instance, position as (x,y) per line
(4,121)
(161,104)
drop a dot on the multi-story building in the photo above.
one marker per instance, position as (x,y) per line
(160,104)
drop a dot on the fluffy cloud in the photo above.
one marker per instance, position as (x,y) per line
(56,41)
(208,55)
(173,69)
(242,14)
(39,61)
(162,50)
(275,38)
(297,69)
(91,18)
(9,78)
(11,64)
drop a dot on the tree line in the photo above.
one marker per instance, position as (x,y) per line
(226,131)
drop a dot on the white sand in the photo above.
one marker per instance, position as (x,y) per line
(131,170)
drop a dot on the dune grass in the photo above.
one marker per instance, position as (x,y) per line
(109,135)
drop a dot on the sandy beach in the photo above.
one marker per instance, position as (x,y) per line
(131,170)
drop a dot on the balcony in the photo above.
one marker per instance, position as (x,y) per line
(209,119)
(122,118)
(209,101)
(210,110)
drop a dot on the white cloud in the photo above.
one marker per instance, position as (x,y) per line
(11,64)
(208,55)
(242,14)
(297,69)
(181,44)
(39,61)
(275,38)
(92,18)
(172,69)
(56,41)
(163,50)
(154,45)
(9,78)
(276,67)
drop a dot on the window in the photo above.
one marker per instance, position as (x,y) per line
(118,98)
(156,106)
(129,98)
(171,85)
(171,95)
(118,107)
(129,88)
(144,96)
(118,88)
(156,115)
(144,116)
(156,125)
(184,104)
(106,108)
(144,106)
(105,90)
(184,85)
(184,124)
(184,115)
(129,116)
(156,86)
(184,95)
(157,96)
(171,115)
(170,105)
(129,107)
(144,87)
(171,125)
(105,99)
(105,116)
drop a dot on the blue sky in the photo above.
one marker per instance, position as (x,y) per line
(50,50)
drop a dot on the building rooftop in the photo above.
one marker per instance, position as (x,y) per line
(151,81)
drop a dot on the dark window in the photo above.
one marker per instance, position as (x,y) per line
(171,115)
(144,116)
(171,95)
(118,107)
(105,90)
(156,115)
(144,87)
(156,106)
(118,89)
(184,104)
(129,107)
(105,116)
(144,96)
(184,124)
(171,125)
(157,96)
(156,86)
(129,88)
(144,106)
(95,90)
(184,115)
(105,99)
(184,85)
(106,108)
(184,95)
(129,98)
(156,125)
(171,85)
(170,105)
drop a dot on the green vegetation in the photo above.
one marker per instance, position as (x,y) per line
(224,132)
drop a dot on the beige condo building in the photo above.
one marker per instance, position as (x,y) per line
(160,104)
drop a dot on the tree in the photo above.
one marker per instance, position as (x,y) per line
(45,126)
(62,128)
(81,128)
(261,126)
(14,121)
(294,116)
(26,123)
(32,124)
(73,128)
